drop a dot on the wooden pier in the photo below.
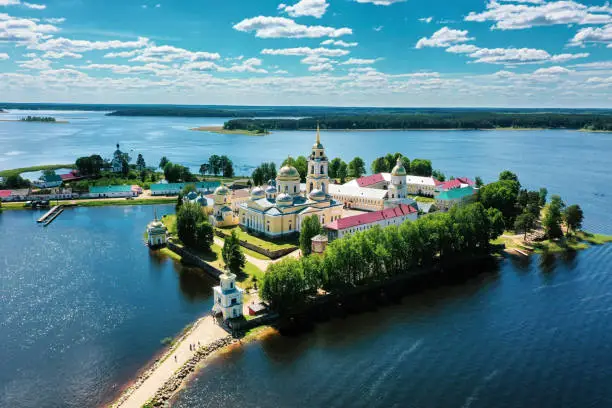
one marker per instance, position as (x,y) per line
(51,215)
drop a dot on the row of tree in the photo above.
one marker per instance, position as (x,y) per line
(377,254)
(442,120)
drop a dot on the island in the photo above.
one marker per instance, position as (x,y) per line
(480,120)
(46,119)
(223,131)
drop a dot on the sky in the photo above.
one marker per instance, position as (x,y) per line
(413,53)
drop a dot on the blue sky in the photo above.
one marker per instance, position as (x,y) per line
(506,53)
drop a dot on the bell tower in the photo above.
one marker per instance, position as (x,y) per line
(318,166)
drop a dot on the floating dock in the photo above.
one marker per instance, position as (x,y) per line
(51,215)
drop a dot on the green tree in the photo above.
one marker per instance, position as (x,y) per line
(162,162)
(525,222)
(215,164)
(508,175)
(496,220)
(478,182)
(421,167)
(300,164)
(380,165)
(342,172)
(203,169)
(227,167)
(232,254)
(543,193)
(204,236)
(188,219)
(356,167)
(48,173)
(140,162)
(501,195)
(553,218)
(15,181)
(438,175)
(334,166)
(310,228)
(573,217)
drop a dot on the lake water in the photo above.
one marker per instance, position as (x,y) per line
(84,305)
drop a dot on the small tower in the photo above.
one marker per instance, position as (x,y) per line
(228,297)
(397,188)
(156,233)
(318,167)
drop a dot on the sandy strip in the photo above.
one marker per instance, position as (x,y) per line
(205,331)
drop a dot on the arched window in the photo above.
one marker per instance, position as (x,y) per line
(322,170)
(312,169)
(311,186)
(295,189)
(323,187)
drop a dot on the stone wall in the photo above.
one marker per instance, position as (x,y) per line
(270,254)
(192,259)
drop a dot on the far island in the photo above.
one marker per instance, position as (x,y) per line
(39,119)
(224,131)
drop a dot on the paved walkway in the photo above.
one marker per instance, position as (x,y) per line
(262,264)
(206,331)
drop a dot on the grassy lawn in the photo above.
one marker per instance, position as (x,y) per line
(123,201)
(421,199)
(6,173)
(581,240)
(262,243)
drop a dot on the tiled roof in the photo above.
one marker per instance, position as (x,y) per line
(455,193)
(466,180)
(206,185)
(368,218)
(109,189)
(448,185)
(421,181)
(356,191)
(369,180)
(5,193)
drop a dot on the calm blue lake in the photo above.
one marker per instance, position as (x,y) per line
(83,304)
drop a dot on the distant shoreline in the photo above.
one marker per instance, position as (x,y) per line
(63,122)
(222,131)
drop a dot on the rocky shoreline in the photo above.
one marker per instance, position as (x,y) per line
(171,386)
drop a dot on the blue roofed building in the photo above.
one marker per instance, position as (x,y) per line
(172,189)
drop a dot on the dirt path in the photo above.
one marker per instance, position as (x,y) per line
(204,332)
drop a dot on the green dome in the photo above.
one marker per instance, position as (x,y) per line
(399,169)
(284,199)
(222,190)
(317,195)
(288,172)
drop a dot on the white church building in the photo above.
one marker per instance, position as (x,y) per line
(228,297)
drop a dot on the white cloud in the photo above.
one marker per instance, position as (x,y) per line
(34,6)
(462,49)
(520,16)
(4,56)
(381,2)
(9,2)
(587,35)
(595,65)
(339,43)
(326,66)
(280,27)
(359,61)
(556,70)
(281,72)
(36,63)
(378,28)
(158,5)
(248,65)
(54,20)
(312,8)
(314,60)
(58,55)
(62,44)
(164,53)
(305,51)
(444,37)
(127,69)
(519,56)
(23,30)
(426,19)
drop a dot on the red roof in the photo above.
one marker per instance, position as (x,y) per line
(456,183)
(369,180)
(5,193)
(369,218)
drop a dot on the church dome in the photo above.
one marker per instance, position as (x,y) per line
(257,193)
(202,201)
(399,169)
(317,195)
(288,173)
(192,195)
(271,190)
(284,200)
(222,190)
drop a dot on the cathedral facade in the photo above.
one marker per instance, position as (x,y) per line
(281,208)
